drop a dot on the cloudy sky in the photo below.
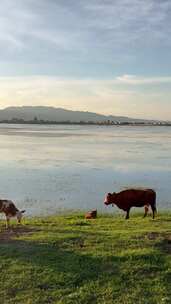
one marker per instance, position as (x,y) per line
(107,56)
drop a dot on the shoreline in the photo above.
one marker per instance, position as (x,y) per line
(53,123)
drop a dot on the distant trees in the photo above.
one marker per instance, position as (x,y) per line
(35,120)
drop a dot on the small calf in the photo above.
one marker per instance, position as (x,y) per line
(10,210)
(91,214)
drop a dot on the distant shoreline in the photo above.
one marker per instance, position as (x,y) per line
(84,123)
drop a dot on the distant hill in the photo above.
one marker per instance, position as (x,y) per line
(29,113)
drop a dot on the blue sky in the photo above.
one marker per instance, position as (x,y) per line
(110,56)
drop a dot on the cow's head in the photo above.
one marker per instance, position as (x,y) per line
(19,215)
(109,198)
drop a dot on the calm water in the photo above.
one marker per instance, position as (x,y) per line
(46,169)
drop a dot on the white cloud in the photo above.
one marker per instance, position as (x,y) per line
(134,80)
(132,21)
(78,25)
(24,23)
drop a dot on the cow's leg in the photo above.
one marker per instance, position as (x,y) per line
(146,210)
(154,210)
(7,221)
(127,214)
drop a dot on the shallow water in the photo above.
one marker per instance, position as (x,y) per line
(46,169)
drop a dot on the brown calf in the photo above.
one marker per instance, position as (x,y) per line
(91,214)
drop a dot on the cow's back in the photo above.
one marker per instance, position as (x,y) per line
(8,207)
(136,197)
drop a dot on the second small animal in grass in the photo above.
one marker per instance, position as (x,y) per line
(91,215)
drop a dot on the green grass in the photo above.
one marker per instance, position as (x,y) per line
(67,259)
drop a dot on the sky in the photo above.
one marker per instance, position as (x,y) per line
(110,56)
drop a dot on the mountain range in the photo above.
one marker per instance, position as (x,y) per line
(29,113)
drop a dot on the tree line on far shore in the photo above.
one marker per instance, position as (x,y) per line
(35,120)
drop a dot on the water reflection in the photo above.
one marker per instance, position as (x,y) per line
(47,168)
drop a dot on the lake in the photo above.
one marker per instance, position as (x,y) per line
(48,169)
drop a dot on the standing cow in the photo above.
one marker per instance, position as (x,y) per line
(133,198)
(10,210)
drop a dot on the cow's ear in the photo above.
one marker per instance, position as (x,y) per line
(109,194)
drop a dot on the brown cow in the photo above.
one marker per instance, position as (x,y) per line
(133,198)
(10,210)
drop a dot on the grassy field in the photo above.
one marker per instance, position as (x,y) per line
(66,259)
